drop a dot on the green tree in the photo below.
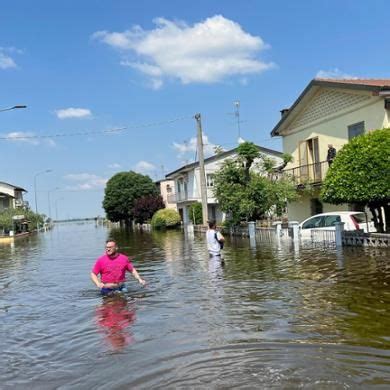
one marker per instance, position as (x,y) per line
(7,223)
(121,192)
(360,174)
(246,194)
(195,213)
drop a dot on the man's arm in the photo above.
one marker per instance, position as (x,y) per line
(96,280)
(136,276)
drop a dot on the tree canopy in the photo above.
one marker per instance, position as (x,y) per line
(146,206)
(246,194)
(121,192)
(360,172)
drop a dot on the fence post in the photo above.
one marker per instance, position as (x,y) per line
(295,229)
(252,229)
(339,233)
(278,228)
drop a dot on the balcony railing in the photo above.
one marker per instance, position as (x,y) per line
(308,174)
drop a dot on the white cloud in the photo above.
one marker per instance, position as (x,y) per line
(144,167)
(71,112)
(28,137)
(191,147)
(206,52)
(114,166)
(85,181)
(20,136)
(334,73)
(6,61)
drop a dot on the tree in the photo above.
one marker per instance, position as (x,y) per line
(121,192)
(146,206)
(195,213)
(360,174)
(246,194)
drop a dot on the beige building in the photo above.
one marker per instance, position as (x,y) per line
(11,197)
(167,192)
(328,111)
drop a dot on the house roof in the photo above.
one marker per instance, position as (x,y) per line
(373,85)
(17,188)
(189,167)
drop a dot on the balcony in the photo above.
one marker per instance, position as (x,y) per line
(308,174)
(176,198)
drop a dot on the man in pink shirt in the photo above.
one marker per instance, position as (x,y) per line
(112,268)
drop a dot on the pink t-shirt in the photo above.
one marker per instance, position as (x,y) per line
(112,270)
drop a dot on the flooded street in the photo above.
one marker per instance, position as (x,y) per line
(270,317)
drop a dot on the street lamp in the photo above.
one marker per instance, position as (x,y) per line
(55,204)
(35,189)
(48,199)
(12,108)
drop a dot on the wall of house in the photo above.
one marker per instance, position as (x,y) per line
(301,209)
(332,126)
(164,193)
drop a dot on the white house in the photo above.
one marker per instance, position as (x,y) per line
(328,111)
(187,183)
(11,197)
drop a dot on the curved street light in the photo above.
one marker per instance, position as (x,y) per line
(35,187)
(55,204)
(13,108)
(48,199)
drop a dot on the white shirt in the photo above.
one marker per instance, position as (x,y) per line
(212,244)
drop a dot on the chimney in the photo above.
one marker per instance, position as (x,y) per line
(284,111)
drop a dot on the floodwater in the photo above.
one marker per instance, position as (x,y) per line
(272,316)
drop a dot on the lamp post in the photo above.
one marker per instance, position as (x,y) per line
(35,191)
(55,204)
(48,199)
(12,108)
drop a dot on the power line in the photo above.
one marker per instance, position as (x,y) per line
(81,133)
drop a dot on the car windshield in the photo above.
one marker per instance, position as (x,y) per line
(359,218)
(312,223)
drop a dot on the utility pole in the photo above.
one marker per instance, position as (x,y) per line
(203,188)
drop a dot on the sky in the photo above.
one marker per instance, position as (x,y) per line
(113,86)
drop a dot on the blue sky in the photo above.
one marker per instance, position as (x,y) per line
(88,68)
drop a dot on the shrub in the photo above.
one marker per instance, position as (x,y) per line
(165,218)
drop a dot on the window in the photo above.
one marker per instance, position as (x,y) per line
(330,220)
(210,180)
(313,223)
(355,130)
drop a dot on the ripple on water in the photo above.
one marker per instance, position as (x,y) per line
(271,316)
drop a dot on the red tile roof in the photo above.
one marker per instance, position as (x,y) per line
(368,82)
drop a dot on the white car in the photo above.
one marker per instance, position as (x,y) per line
(353,220)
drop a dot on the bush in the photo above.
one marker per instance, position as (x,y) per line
(166,218)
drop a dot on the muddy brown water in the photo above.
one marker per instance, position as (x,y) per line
(274,315)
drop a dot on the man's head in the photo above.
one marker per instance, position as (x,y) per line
(212,224)
(111,247)
(330,146)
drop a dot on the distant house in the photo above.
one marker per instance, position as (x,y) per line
(11,197)
(328,111)
(167,192)
(187,183)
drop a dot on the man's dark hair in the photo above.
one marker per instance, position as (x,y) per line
(212,224)
(111,240)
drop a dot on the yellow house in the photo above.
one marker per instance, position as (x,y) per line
(328,112)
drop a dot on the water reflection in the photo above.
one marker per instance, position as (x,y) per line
(114,317)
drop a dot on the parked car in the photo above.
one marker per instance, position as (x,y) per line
(353,220)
